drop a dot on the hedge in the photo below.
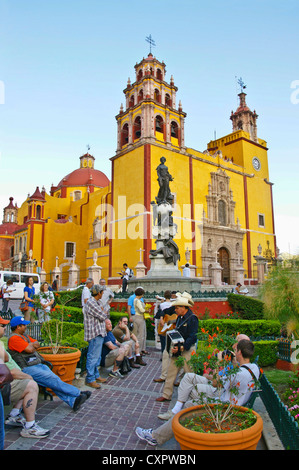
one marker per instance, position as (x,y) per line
(250,328)
(266,352)
(247,307)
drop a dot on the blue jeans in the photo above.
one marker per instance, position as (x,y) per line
(1,423)
(93,358)
(45,377)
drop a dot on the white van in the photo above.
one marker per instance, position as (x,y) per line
(19,282)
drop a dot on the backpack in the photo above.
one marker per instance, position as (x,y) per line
(131,273)
(1,292)
(125,366)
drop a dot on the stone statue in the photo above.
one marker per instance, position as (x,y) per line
(164,194)
(169,250)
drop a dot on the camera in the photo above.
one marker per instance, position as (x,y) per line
(173,339)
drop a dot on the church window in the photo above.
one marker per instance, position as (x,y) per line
(261,219)
(125,134)
(159,124)
(159,74)
(137,128)
(131,102)
(38,212)
(222,212)
(140,96)
(157,96)
(140,74)
(168,100)
(174,129)
(77,195)
(69,248)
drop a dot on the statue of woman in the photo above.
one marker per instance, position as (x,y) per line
(164,194)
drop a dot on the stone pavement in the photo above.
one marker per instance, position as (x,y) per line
(106,421)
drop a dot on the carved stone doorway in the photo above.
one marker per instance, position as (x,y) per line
(223,260)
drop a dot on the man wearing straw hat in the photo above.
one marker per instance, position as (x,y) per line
(187,326)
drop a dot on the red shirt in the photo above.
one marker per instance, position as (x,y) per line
(16,343)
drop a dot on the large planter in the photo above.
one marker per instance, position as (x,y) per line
(64,362)
(192,440)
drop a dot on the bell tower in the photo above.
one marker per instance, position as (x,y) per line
(244,119)
(150,113)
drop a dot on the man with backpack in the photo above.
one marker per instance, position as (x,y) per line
(127,274)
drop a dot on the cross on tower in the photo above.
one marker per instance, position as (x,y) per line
(151,42)
(242,84)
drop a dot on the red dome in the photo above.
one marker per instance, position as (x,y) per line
(85,177)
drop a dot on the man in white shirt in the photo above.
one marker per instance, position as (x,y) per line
(86,292)
(6,290)
(186,270)
(126,276)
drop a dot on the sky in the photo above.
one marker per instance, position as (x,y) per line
(64,65)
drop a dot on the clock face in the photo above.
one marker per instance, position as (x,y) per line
(256,163)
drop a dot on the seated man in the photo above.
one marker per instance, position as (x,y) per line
(113,352)
(124,335)
(23,394)
(23,350)
(193,385)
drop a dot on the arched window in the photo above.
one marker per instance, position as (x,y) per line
(174,129)
(157,96)
(124,135)
(38,212)
(140,75)
(222,212)
(131,101)
(159,74)
(168,101)
(159,124)
(137,128)
(140,96)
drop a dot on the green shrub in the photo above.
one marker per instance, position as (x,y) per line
(76,340)
(68,331)
(71,298)
(266,351)
(247,307)
(255,328)
(68,313)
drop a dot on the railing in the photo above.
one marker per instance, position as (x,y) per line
(286,426)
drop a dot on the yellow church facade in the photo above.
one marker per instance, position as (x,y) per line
(223,205)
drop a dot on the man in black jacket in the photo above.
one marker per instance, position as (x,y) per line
(187,326)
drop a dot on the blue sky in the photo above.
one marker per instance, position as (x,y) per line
(64,65)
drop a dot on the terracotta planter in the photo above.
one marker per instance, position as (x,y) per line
(64,364)
(239,440)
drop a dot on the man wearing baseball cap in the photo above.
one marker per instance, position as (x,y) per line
(24,351)
(23,394)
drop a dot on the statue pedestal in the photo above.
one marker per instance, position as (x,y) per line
(159,268)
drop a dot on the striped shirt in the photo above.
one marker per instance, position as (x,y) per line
(94,319)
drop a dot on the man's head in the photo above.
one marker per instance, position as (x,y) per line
(139,292)
(182,303)
(245,349)
(125,265)
(102,282)
(3,324)
(123,322)
(108,324)
(19,324)
(97,291)
(89,282)
(9,282)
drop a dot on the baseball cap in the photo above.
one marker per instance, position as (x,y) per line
(3,322)
(18,321)
(96,289)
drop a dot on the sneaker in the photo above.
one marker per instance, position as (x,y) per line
(80,400)
(146,435)
(116,374)
(166,416)
(35,432)
(18,420)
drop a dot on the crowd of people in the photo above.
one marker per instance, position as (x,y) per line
(112,349)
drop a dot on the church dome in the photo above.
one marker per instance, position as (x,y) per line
(86,175)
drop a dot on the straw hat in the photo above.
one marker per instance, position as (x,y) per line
(184,300)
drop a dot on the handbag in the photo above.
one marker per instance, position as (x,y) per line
(125,366)
(24,306)
(5,379)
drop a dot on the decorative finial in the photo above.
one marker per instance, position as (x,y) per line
(88,147)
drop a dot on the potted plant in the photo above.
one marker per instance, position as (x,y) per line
(64,359)
(214,424)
